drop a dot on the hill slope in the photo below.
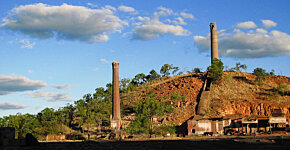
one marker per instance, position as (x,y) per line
(236,93)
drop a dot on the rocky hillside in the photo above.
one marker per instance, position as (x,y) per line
(236,93)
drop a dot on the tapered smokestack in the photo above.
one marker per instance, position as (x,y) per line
(116,116)
(214,41)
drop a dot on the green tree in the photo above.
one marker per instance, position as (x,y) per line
(124,84)
(215,71)
(153,75)
(243,66)
(89,117)
(260,74)
(4,121)
(139,79)
(48,122)
(175,69)
(23,124)
(196,70)
(139,125)
(272,72)
(145,111)
(283,89)
(100,93)
(102,111)
(165,69)
(108,92)
(239,66)
(175,97)
(80,113)
(164,129)
(68,114)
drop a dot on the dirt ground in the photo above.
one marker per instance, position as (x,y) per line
(277,142)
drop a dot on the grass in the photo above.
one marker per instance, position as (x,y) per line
(239,86)
(234,92)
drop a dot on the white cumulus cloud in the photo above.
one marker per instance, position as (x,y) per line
(251,44)
(25,43)
(187,15)
(149,28)
(64,86)
(178,21)
(66,22)
(150,31)
(163,11)
(92,5)
(18,83)
(8,106)
(103,60)
(269,23)
(50,96)
(127,9)
(246,25)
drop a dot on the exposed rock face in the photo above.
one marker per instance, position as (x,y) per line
(237,93)
(247,108)
(241,95)
(188,87)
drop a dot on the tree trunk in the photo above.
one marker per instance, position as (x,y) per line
(89,131)
(150,127)
(100,130)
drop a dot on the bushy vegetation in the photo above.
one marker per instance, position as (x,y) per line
(164,130)
(145,111)
(176,97)
(283,89)
(93,110)
(167,69)
(215,71)
(260,74)
(89,110)
(238,67)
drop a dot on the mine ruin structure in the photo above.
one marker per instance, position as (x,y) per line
(238,124)
(205,95)
(116,117)
(214,41)
(231,124)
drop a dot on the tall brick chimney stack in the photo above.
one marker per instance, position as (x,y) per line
(116,116)
(214,41)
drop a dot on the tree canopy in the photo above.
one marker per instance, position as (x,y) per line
(215,71)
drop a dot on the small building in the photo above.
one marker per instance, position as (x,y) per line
(201,125)
(250,125)
(232,123)
(277,121)
(255,124)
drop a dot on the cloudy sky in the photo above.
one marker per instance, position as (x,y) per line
(54,52)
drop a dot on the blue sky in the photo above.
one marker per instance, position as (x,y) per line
(54,52)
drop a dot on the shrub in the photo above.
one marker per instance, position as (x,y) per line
(283,89)
(164,130)
(229,78)
(272,72)
(196,70)
(215,71)
(261,74)
(165,69)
